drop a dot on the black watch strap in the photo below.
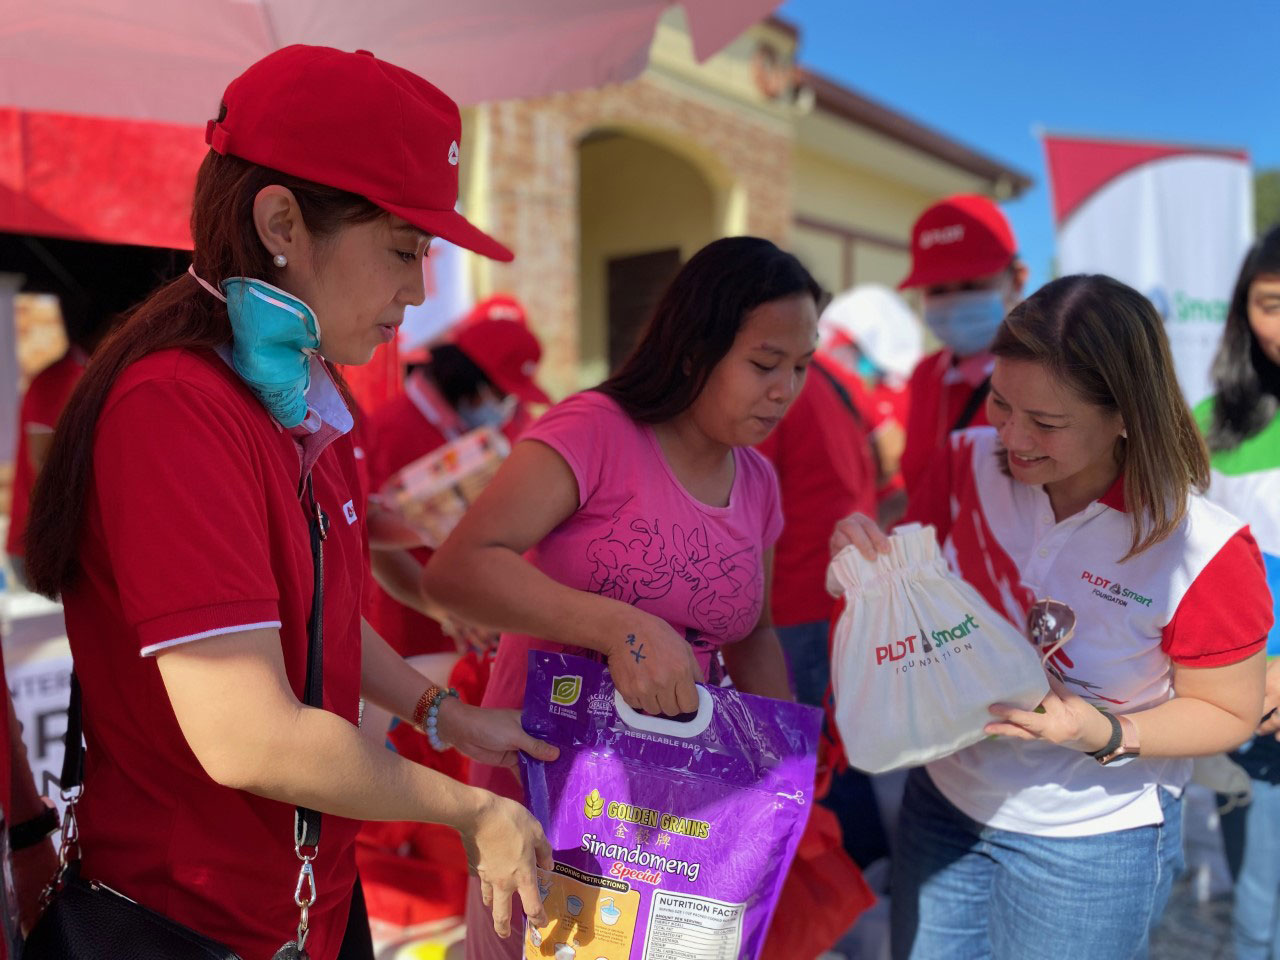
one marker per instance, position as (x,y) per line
(30,832)
(1117,738)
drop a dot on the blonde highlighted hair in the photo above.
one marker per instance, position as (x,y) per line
(1107,342)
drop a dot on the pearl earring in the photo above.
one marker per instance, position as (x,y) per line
(280,260)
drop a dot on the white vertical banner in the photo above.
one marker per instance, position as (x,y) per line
(1173,222)
(447,285)
(38,667)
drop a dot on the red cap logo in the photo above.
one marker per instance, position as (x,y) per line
(962,238)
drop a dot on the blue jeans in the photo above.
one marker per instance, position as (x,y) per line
(964,891)
(805,646)
(1257,911)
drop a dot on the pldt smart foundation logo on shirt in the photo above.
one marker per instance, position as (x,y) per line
(924,650)
(1112,592)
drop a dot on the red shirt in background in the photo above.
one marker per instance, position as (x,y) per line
(41,406)
(410,426)
(939,390)
(822,454)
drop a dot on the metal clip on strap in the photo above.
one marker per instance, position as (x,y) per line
(306,822)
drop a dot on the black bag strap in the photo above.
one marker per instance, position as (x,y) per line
(841,391)
(73,746)
(976,399)
(847,399)
(306,822)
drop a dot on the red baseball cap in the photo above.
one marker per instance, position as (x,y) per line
(352,121)
(960,238)
(500,306)
(507,353)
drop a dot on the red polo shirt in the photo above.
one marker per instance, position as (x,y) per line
(940,388)
(194,528)
(42,404)
(822,455)
(396,435)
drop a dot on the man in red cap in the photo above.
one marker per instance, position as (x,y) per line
(964,261)
(500,306)
(479,379)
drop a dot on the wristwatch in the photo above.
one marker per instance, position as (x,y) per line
(1123,742)
(28,833)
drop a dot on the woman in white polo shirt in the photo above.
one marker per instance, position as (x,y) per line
(1059,836)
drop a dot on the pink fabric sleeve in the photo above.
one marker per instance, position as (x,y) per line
(1226,614)
(584,429)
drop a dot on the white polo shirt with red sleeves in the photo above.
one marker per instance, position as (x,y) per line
(1197,599)
(194,528)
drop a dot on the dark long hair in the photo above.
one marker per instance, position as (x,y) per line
(179,314)
(697,320)
(1246,384)
(1107,342)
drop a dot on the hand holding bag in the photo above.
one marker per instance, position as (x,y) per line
(918,655)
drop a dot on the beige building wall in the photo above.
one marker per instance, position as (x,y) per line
(857,194)
(634,197)
(524,187)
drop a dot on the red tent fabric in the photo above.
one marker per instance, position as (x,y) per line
(95,178)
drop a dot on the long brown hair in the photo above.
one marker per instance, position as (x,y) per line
(1107,342)
(179,314)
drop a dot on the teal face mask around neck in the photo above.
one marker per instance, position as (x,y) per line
(274,336)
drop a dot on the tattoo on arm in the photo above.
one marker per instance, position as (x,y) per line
(638,653)
(631,640)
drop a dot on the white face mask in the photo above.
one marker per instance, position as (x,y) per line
(965,321)
(486,413)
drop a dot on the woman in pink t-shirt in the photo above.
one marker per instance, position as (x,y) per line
(633,522)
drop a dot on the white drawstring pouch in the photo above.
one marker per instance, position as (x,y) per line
(918,656)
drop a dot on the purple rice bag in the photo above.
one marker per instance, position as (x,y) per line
(672,838)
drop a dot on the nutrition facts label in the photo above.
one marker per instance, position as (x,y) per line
(682,927)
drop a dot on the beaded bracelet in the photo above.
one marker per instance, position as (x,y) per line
(426,714)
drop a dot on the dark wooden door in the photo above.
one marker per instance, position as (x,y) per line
(635,285)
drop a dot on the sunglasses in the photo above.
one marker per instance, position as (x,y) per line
(1050,624)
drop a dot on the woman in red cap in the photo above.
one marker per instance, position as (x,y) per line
(218,642)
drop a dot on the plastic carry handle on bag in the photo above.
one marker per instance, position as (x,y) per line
(672,838)
(918,656)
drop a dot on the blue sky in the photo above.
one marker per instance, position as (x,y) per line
(988,73)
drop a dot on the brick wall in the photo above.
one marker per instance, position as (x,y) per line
(533,188)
